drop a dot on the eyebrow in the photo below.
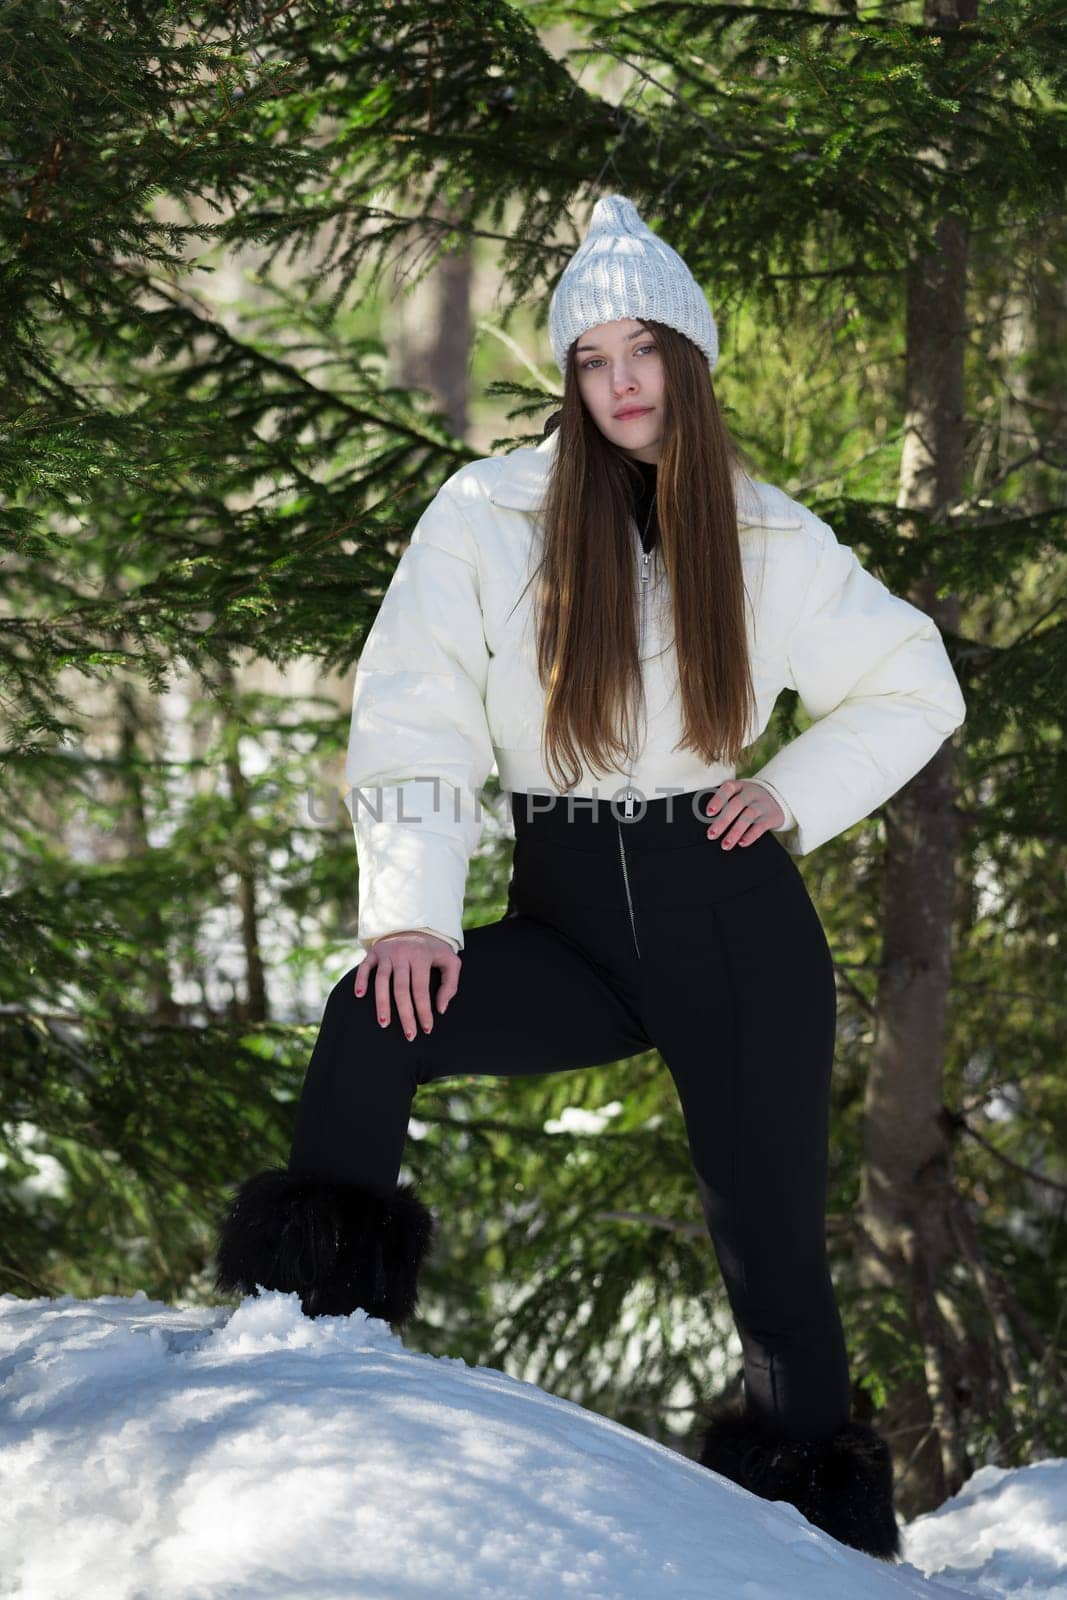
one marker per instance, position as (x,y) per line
(642,333)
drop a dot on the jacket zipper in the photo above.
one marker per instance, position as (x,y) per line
(626,881)
(628,804)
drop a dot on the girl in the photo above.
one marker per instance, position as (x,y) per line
(627,564)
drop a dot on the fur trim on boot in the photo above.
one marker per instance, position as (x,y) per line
(337,1245)
(843,1484)
(731,1434)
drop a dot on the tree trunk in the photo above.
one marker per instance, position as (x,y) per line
(908,1197)
(131,835)
(256,1007)
(431,341)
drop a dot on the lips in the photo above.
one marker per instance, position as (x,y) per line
(632,411)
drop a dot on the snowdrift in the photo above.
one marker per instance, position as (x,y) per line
(155,1453)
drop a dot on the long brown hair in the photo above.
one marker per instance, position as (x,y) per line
(586,600)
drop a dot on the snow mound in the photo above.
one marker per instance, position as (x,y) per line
(155,1453)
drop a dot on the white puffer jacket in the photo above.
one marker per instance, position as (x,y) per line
(447,682)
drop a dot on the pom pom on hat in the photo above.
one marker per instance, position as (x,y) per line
(623,269)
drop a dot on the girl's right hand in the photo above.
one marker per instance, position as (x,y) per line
(407,959)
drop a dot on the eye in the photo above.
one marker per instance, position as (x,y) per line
(587,364)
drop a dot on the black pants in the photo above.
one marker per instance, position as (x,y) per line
(621,936)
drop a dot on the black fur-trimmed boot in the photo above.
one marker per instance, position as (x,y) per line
(843,1484)
(337,1245)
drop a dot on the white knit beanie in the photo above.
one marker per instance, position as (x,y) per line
(623,269)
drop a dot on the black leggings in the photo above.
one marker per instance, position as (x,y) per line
(619,937)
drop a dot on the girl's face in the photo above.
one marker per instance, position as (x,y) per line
(620,370)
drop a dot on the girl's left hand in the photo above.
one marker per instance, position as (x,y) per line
(745,809)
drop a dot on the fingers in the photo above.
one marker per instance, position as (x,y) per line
(385,975)
(404,969)
(373,965)
(742,810)
(449,982)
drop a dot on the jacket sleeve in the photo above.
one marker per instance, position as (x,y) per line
(419,748)
(872,672)
(454,943)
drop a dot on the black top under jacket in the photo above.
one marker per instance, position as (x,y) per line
(643,504)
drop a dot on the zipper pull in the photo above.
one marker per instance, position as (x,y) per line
(628,806)
(646,557)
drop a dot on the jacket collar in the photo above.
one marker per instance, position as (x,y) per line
(522,476)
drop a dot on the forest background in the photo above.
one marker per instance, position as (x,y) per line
(269,274)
